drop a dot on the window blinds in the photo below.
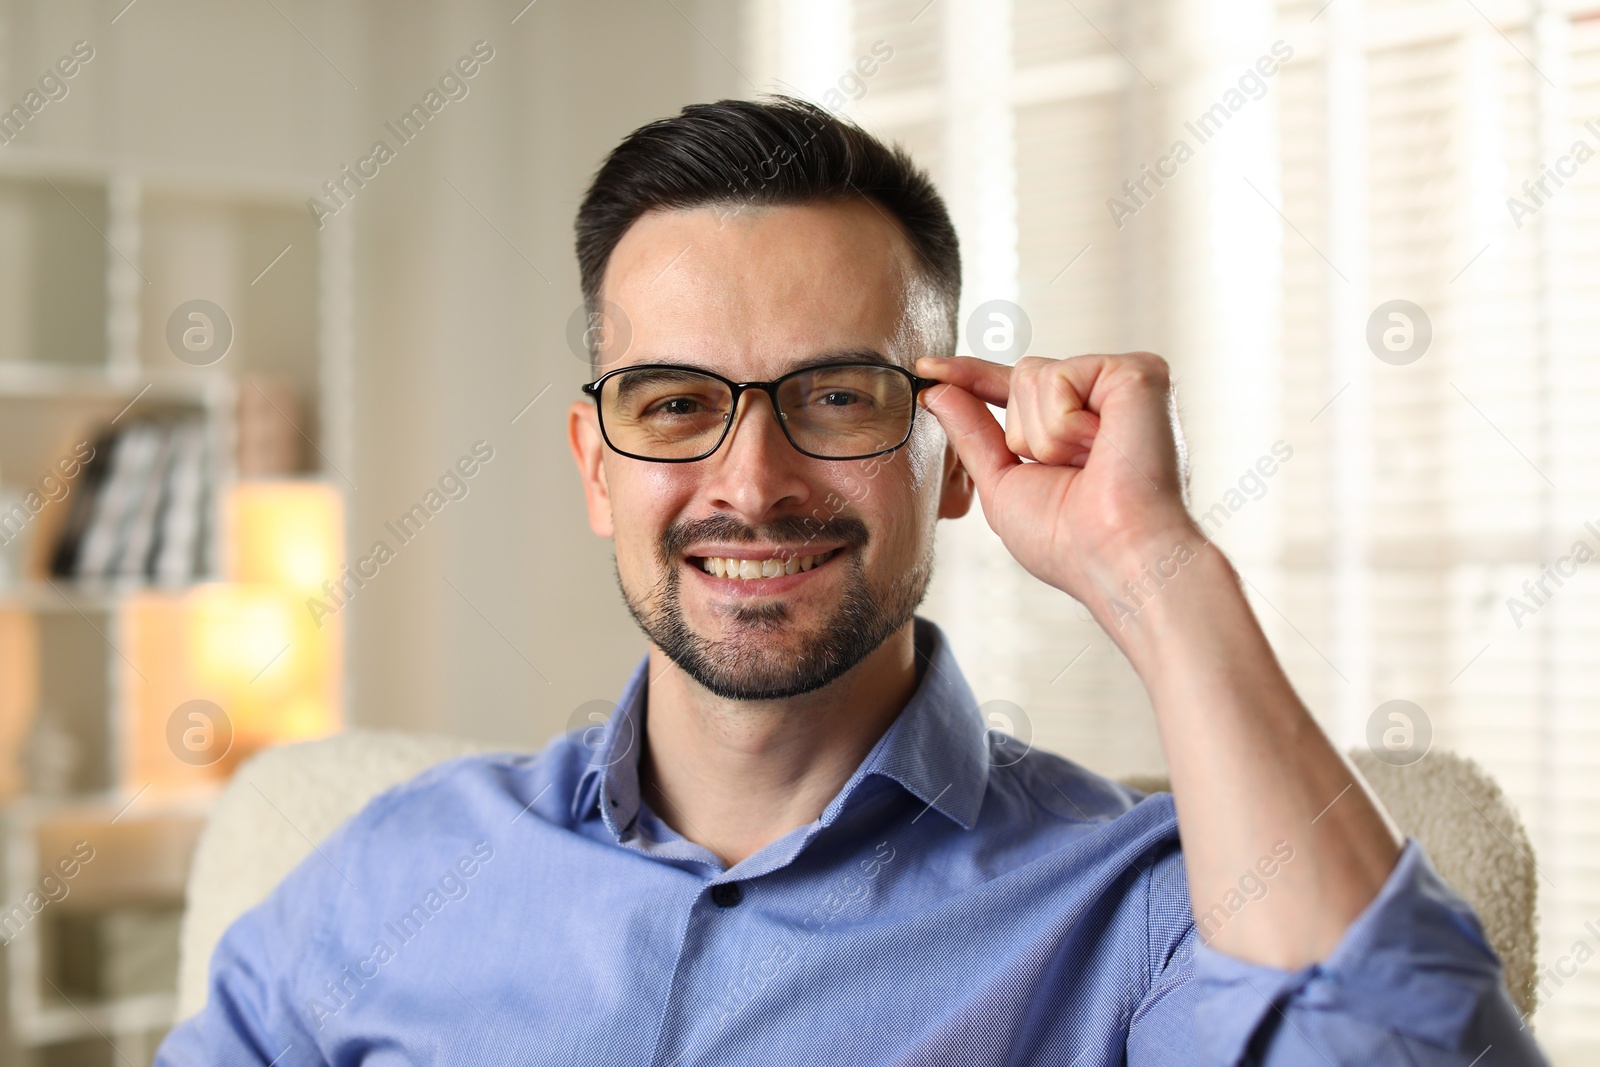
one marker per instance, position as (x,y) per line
(1387,558)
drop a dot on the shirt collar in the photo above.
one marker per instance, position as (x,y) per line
(937,748)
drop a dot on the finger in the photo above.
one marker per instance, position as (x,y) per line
(975,434)
(1132,394)
(1016,429)
(1051,418)
(989,382)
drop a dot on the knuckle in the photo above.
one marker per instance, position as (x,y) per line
(1062,392)
(1056,452)
(1149,367)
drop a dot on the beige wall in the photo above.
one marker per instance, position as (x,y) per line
(457,332)
(454,330)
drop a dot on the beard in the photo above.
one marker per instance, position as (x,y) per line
(750,664)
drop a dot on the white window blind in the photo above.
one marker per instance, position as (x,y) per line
(1376,164)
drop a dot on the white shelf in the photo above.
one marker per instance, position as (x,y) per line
(119,804)
(169,234)
(49,381)
(68,596)
(80,1020)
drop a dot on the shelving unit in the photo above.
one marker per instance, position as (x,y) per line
(94,258)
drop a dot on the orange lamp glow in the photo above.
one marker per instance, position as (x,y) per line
(220,670)
(287,533)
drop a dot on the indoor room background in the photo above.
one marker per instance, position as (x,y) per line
(241,347)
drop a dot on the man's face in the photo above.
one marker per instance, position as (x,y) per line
(750,295)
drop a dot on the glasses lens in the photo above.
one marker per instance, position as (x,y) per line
(843,412)
(664,413)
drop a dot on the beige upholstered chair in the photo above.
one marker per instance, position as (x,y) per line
(283,800)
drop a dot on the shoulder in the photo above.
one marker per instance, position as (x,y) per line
(468,807)
(1125,828)
(477,792)
(423,843)
(1055,787)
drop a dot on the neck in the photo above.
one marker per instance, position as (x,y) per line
(734,775)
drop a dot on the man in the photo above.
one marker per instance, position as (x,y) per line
(795,841)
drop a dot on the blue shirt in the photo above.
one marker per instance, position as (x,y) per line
(958,903)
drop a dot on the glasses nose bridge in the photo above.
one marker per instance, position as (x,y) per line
(740,389)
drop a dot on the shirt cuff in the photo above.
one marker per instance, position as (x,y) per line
(1415,962)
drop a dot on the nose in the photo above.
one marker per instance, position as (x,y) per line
(757,473)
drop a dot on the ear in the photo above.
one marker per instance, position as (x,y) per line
(956,489)
(588,452)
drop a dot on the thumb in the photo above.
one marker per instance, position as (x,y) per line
(978,438)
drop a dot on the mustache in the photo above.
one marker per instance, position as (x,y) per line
(849,531)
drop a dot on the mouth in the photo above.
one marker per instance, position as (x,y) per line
(761,572)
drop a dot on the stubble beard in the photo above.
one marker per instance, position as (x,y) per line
(763,658)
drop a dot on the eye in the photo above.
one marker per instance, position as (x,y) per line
(838,398)
(677,407)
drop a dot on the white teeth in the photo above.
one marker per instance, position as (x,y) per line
(728,567)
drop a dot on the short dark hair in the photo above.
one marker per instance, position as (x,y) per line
(762,153)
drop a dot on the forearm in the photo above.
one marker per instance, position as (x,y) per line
(1253,775)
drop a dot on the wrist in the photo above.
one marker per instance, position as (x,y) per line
(1159,585)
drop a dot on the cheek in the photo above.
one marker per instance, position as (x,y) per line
(645,499)
(892,507)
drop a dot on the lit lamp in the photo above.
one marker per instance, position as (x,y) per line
(285,533)
(220,670)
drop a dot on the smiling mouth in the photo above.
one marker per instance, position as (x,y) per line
(748,569)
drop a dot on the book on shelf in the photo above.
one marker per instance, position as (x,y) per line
(179,551)
(138,516)
(148,492)
(143,508)
(69,538)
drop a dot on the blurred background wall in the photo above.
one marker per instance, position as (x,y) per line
(462,283)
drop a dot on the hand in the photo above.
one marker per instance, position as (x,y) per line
(1103,501)
(1104,496)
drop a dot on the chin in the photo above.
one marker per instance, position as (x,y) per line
(762,653)
(758,651)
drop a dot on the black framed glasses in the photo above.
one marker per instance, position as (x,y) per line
(668,413)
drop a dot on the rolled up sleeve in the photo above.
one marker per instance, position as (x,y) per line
(1413,981)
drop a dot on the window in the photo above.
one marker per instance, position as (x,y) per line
(1433,471)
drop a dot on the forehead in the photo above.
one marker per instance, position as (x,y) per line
(748,291)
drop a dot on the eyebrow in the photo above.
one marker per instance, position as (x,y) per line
(631,383)
(821,359)
(862,355)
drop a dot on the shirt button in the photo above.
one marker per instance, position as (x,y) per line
(726,894)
